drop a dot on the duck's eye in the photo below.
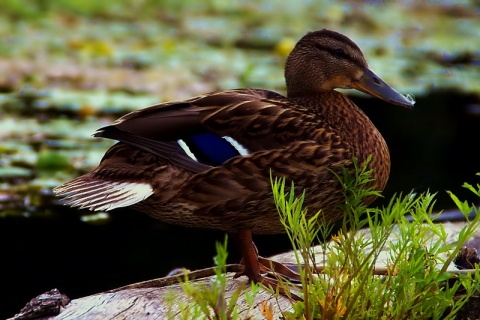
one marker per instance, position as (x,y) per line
(340,52)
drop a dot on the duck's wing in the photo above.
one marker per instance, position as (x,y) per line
(206,131)
(173,141)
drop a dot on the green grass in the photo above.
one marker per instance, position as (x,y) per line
(415,285)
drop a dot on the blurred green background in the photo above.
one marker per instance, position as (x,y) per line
(69,67)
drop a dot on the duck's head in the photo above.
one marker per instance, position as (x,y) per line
(324,60)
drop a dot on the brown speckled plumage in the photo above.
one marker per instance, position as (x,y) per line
(304,136)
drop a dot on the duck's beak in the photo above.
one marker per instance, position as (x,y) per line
(372,84)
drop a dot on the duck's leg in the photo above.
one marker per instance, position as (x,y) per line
(254,265)
(250,261)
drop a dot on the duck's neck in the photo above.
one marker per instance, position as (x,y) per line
(338,111)
(353,127)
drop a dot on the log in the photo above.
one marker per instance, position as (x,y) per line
(149,299)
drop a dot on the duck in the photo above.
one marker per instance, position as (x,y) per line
(207,162)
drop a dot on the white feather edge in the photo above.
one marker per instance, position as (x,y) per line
(241,149)
(187,150)
(103,195)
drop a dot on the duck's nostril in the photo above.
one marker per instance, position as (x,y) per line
(377,81)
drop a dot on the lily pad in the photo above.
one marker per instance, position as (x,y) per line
(50,160)
(14,172)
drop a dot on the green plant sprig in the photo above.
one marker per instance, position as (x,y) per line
(210,301)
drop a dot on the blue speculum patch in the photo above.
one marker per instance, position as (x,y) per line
(210,148)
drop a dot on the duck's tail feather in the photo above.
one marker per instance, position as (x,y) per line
(102,195)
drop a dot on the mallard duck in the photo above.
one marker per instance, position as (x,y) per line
(206,162)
